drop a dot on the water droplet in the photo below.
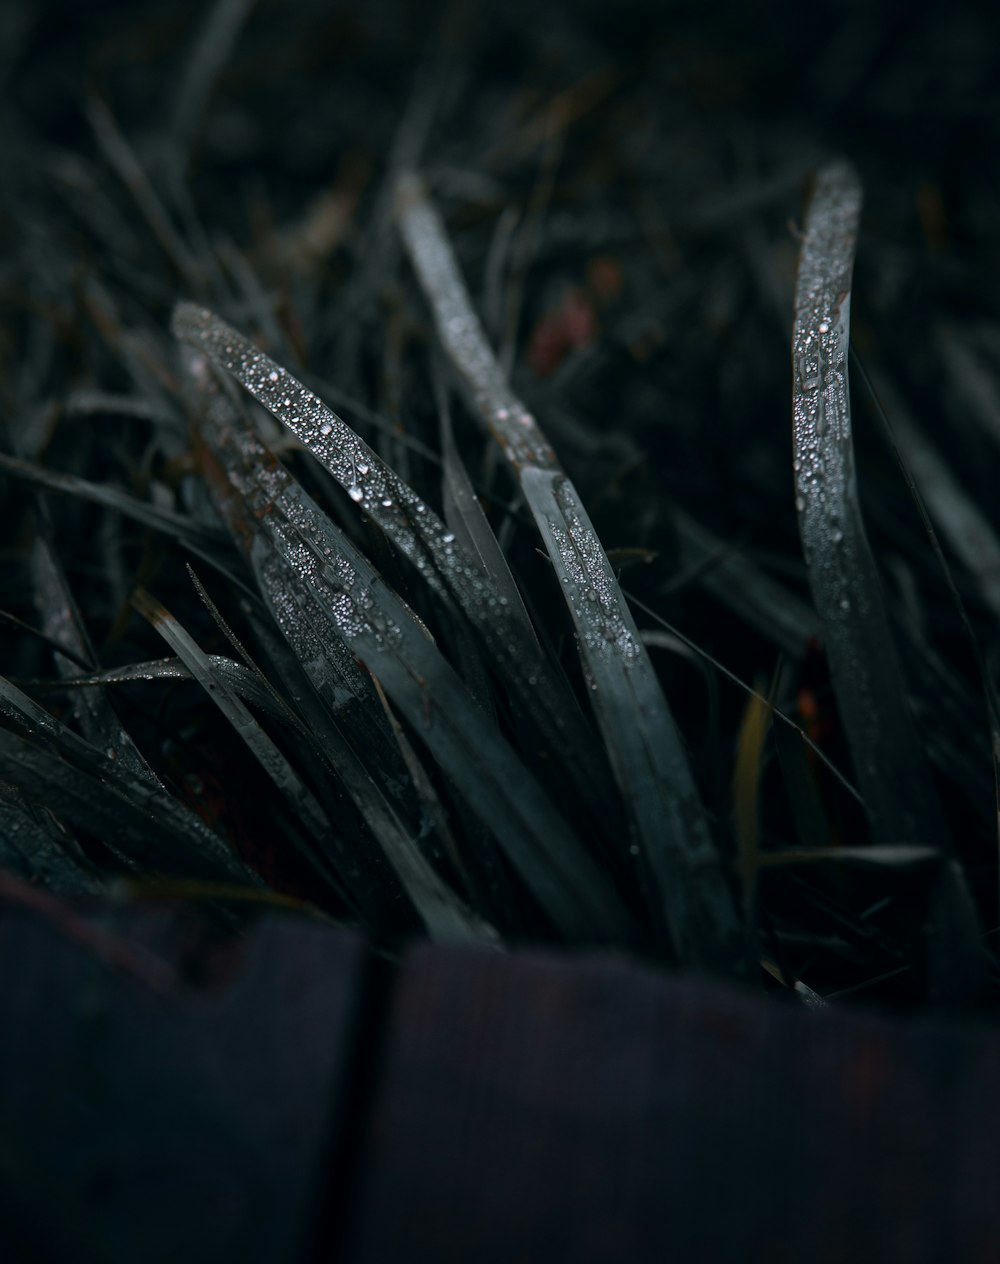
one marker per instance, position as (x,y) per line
(363,468)
(448,537)
(824,327)
(800,503)
(325,428)
(272,376)
(286,401)
(386,502)
(355,493)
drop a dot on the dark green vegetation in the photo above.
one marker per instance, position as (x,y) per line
(403,512)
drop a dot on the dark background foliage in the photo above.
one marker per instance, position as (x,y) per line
(652,162)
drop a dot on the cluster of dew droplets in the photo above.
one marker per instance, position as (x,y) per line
(585,565)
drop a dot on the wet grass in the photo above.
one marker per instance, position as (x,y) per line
(467,407)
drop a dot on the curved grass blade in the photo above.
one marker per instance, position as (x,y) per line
(336,590)
(692,895)
(889,762)
(422,537)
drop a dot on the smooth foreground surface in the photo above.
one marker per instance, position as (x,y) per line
(167,1093)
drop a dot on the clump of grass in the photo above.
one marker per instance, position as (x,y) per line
(464,564)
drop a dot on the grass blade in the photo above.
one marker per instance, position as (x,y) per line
(692,896)
(336,589)
(889,762)
(421,536)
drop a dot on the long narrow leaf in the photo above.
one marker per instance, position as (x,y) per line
(888,759)
(692,892)
(420,535)
(329,579)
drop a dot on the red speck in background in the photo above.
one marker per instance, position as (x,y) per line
(573,323)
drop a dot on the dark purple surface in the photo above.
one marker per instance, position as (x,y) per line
(536,1110)
(185,1125)
(285,1100)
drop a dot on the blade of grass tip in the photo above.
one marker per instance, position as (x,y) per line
(809,998)
(326,579)
(421,536)
(889,762)
(692,892)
